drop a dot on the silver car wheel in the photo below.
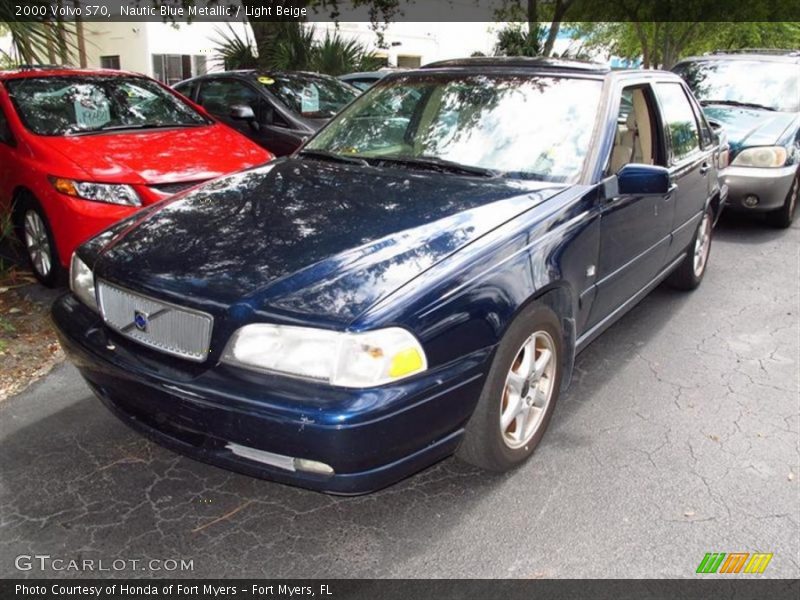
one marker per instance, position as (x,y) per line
(702,245)
(37,243)
(528,390)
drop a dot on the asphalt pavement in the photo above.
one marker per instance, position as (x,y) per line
(678,437)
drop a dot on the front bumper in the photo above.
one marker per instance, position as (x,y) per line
(371,438)
(771,186)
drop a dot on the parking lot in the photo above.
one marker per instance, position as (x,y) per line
(678,437)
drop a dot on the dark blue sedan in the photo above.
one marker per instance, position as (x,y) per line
(414,282)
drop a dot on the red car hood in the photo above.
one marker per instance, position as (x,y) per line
(161,156)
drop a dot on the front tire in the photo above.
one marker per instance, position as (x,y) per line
(37,238)
(783,217)
(519,395)
(690,272)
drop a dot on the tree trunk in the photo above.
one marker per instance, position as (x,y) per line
(80,38)
(562,6)
(552,34)
(645,46)
(533,18)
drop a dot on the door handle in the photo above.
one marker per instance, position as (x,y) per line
(704,169)
(670,191)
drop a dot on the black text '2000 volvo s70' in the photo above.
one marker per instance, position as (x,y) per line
(415,281)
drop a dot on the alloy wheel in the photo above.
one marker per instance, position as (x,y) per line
(528,389)
(702,245)
(37,243)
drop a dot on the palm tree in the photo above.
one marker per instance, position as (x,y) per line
(337,56)
(290,46)
(36,41)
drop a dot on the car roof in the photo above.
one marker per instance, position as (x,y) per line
(30,71)
(542,66)
(523,62)
(249,73)
(365,75)
(766,55)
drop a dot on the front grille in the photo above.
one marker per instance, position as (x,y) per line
(160,325)
(174,188)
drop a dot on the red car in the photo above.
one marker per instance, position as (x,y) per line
(82,149)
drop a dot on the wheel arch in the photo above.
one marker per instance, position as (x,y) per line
(19,194)
(559,297)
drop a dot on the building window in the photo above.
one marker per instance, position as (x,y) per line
(199,65)
(172,68)
(409,62)
(110,62)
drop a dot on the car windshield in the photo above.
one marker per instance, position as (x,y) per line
(310,96)
(773,85)
(532,127)
(83,105)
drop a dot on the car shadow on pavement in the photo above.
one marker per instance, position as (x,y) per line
(80,479)
(748,228)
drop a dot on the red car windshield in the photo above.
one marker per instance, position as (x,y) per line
(94,104)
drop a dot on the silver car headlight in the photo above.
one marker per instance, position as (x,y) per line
(81,282)
(762,156)
(354,360)
(112,193)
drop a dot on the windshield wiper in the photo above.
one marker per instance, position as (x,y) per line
(333,156)
(737,103)
(131,126)
(438,164)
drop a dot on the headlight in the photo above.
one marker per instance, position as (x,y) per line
(81,282)
(353,360)
(764,156)
(113,193)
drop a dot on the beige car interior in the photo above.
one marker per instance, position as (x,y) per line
(634,139)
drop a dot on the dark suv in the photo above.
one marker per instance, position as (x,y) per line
(278,110)
(755,96)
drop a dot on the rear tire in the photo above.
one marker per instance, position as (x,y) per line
(519,395)
(34,232)
(783,217)
(690,272)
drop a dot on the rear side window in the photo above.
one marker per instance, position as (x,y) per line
(680,120)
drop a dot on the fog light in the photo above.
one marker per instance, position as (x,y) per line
(750,201)
(312,466)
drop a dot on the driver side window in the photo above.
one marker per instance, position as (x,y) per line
(217,96)
(636,137)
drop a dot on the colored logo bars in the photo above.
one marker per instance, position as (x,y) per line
(735,562)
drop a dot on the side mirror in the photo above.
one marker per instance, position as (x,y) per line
(242,112)
(642,180)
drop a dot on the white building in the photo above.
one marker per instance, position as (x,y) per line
(168,52)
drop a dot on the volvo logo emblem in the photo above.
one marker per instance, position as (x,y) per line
(141,320)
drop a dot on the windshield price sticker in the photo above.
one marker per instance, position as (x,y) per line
(91,115)
(310,99)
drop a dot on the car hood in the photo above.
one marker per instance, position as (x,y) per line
(160,156)
(748,127)
(300,238)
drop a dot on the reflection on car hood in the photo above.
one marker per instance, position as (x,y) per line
(320,241)
(748,127)
(160,155)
